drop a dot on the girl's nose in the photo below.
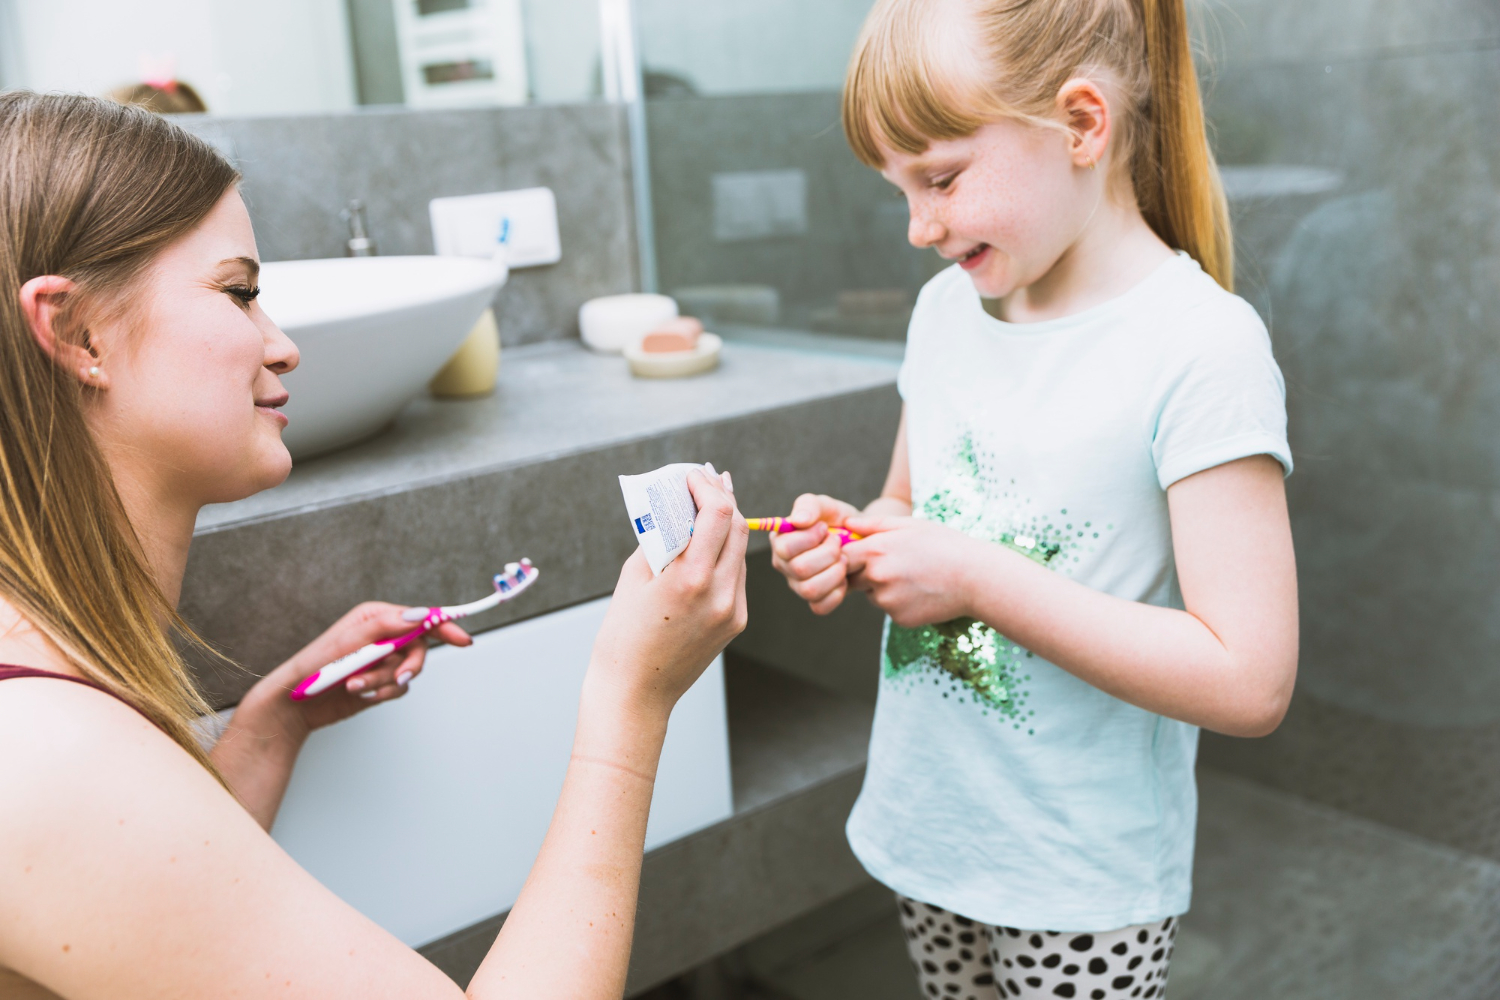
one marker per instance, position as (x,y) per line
(923,231)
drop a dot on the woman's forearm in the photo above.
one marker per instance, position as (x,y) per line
(256,755)
(569,933)
(1161,659)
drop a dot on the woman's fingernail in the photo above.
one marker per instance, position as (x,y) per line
(728,481)
(710,467)
(403,679)
(357,684)
(370,695)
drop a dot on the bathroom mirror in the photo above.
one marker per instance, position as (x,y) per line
(279,57)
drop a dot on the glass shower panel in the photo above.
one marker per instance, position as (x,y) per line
(763,217)
(1362,174)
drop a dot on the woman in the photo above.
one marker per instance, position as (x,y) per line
(138,382)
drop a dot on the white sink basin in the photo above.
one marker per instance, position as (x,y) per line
(372,332)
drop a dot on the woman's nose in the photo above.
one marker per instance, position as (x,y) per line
(281,354)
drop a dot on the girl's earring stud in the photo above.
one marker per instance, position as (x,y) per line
(94,372)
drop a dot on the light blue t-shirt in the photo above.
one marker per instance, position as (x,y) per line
(1000,786)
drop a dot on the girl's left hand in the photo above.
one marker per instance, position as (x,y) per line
(916,571)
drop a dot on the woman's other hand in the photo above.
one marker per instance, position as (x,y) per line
(811,558)
(661,632)
(259,747)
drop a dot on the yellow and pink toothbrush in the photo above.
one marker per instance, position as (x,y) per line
(783,526)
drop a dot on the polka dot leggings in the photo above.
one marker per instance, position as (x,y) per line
(961,959)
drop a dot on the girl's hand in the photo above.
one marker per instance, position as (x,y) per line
(918,572)
(661,632)
(811,559)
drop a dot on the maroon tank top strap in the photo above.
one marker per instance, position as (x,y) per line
(8,673)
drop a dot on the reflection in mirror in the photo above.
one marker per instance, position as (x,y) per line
(304,56)
(765,221)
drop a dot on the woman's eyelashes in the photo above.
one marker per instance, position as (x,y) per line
(245,293)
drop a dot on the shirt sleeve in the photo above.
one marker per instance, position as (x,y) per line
(1223,397)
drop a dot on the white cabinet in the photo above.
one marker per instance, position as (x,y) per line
(426,814)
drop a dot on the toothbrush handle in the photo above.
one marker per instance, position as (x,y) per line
(362,658)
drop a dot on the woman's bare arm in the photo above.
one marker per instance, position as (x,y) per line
(127,872)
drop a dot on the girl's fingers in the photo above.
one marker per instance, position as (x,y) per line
(821,585)
(873,524)
(832,601)
(793,544)
(815,561)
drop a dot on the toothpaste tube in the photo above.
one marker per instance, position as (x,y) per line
(661,510)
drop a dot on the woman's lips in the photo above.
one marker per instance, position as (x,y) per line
(975,258)
(270,407)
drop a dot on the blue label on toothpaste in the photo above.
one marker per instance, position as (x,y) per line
(644,524)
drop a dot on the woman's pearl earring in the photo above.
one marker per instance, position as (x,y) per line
(94,372)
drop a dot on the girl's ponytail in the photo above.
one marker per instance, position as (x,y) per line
(1176,181)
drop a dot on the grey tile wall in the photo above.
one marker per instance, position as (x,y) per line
(301,171)
(856,226)
(1383,296)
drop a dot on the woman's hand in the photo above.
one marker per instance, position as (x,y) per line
(811,559)
(918,572)
(661,632)
(388,679)
(260,746)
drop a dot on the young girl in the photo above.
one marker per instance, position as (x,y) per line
(1082,543)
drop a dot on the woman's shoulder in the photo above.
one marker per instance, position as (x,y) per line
(58,736)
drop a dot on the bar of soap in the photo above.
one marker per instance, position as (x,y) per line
(679,334)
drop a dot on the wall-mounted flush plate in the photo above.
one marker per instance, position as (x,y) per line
(523,223)
(756,204)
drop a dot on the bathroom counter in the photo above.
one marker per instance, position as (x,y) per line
(429,510)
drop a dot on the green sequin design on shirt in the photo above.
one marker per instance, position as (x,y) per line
(970,659)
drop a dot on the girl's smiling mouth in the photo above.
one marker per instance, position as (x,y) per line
(974,258)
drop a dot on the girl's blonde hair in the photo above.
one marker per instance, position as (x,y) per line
(927,70)
(90,190)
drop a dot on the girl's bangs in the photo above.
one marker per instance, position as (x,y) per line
(895,97)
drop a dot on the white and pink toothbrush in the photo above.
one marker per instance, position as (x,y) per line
(516,578)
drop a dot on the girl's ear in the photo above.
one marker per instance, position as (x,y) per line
(44,301)
(1082,106)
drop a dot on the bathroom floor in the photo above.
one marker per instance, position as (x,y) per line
(1294,901)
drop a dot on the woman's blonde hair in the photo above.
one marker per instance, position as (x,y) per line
(927,70)
(171,98)
(90,190)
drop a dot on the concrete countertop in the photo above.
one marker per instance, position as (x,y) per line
(430,509)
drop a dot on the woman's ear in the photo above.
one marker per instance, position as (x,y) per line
(45,301)
(1083,107)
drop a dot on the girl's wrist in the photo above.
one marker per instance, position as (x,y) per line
(977,573)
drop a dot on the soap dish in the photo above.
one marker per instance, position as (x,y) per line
(676,364)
